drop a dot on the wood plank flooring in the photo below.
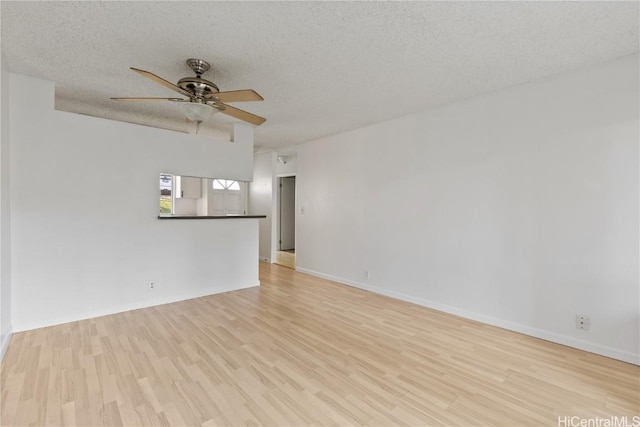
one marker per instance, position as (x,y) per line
(302,351)
(285,258)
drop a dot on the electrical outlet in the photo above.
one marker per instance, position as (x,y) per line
(582,322)
(152,286)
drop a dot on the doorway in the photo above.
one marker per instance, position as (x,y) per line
(286,253)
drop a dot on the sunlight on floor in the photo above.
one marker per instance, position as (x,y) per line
(286,258)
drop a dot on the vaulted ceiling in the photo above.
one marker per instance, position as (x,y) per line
(322,67)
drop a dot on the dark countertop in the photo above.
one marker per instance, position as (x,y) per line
(210,217)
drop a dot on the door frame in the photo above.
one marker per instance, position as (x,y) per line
(278,218)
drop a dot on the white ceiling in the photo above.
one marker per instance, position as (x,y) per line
(322,67)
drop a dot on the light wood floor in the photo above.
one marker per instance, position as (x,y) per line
(285,258)
(302,351)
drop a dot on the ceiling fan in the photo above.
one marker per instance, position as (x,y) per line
(204,97)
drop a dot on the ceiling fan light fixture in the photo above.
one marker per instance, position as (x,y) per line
(197,112)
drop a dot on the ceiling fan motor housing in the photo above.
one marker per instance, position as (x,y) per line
(198,86)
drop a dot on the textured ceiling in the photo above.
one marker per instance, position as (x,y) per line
(322,67)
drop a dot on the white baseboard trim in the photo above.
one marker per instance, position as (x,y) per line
(4,345)
(505,324)
(264,259)
(120,309)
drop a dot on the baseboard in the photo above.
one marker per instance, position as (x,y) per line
(505,324)
(122,308)
(265,259)
(4,345)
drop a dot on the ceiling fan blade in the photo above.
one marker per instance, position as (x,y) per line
(243,115)
(162,81)
(244,95)
(151,99)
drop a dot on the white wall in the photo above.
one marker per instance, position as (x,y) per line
(518,208)
(84,203)
(262,201)
(288,168)
(5,215)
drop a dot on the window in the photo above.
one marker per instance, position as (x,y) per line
(226,184)
(166,202)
